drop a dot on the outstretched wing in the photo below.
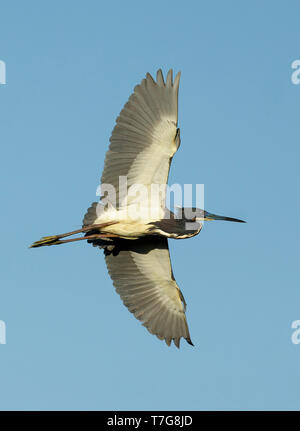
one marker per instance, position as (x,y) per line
(145,137)
(142,275)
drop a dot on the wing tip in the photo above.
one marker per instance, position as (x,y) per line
(169,81)
(161,82)
(160,78)
(150,78)
(176,80)
(176,341)
(188,340)
(168,341)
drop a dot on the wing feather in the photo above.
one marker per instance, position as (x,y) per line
(145,136)
(142,275)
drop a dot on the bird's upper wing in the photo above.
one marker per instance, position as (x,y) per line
(145,136)
(142,275)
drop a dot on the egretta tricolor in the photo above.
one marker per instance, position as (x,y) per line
(142,145)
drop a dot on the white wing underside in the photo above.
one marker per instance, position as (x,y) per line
(142,145)
(142,275)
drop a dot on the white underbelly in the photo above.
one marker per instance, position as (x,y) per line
(127,223)
(127,230)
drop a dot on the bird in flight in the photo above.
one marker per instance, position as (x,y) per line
(133,228)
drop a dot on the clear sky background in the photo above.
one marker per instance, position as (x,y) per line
(71,343)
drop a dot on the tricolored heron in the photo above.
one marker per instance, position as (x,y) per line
(142,145)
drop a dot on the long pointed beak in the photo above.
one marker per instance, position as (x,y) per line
(210,216)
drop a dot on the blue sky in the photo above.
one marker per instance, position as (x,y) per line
(71,344)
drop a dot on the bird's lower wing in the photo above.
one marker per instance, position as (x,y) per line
(142,275)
